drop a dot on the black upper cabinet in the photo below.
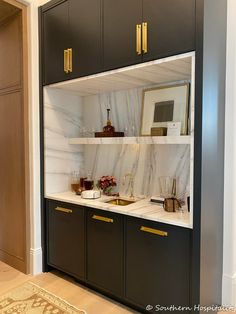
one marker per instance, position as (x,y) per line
(83,37)
(72,40)
(120,19)
(105,236)
(85,33)
(157,264)
(55,28)
(66,238)
(141,30)
(170,27)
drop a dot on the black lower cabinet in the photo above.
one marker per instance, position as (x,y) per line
(157,265)
(139,262)
(105,257)
(66,238)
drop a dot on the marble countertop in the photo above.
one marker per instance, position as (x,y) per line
(142,208)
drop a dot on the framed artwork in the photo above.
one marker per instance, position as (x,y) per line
(165,104)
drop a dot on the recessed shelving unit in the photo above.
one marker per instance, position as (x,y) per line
(160,140)
(121,90)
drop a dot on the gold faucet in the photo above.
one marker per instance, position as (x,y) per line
(131,183)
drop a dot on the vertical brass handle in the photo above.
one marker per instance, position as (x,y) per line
(70,66)
(145,37)
(154,231)
(66,61)
(101,218)
(138,39)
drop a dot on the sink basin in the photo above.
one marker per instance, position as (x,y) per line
(120,202)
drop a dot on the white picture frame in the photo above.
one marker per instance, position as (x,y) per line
(165,104)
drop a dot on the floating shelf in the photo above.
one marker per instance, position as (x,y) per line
(162,140)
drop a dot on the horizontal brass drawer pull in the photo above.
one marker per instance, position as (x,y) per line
(101,218)
(64,210)
(154,231)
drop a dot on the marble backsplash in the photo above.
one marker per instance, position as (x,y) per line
(68,115)
(146,162)
(62,120)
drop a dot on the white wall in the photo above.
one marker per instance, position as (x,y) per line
(229,269)
(35,251)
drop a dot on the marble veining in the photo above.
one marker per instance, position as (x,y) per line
(62,120)
(147,163)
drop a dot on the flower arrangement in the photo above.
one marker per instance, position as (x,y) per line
(106,183)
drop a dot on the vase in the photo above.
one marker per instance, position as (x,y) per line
(108,191)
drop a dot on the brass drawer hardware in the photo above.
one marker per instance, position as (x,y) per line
(145,37)
(64,210)
(154,231)
(138,39)
(66,61)
(70,65)
(101,218)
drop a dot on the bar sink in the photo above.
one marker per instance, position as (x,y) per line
(120,202)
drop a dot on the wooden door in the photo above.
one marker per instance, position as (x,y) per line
(56,33)
(13,132)
(170,27)
(105,251)
(85,33)
(66,238)
(119,32)
(157,267)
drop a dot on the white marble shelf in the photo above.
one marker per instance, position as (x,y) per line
(160,140)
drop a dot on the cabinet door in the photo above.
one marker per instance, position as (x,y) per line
(157,266)
(105,251)
(66,238)
(85,31)
(170,27)
(55,25)
(119,32)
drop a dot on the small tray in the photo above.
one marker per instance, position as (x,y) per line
(109,134)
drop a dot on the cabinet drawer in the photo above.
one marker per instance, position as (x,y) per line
(66,238)
(105,250)
(157,263)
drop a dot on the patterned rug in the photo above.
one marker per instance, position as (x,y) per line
(31,299)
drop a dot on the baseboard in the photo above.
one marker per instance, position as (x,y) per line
(229,290)
(14,261)
(35,261)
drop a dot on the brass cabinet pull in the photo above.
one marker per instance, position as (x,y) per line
(154,231)
(70,65)
(101,218)
(66,61)
(138,39)
(64,210)
(145,37)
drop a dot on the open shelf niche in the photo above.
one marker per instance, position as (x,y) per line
(81,103)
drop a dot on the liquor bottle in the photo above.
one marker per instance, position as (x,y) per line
(108,128)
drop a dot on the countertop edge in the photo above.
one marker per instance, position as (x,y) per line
(116,210)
